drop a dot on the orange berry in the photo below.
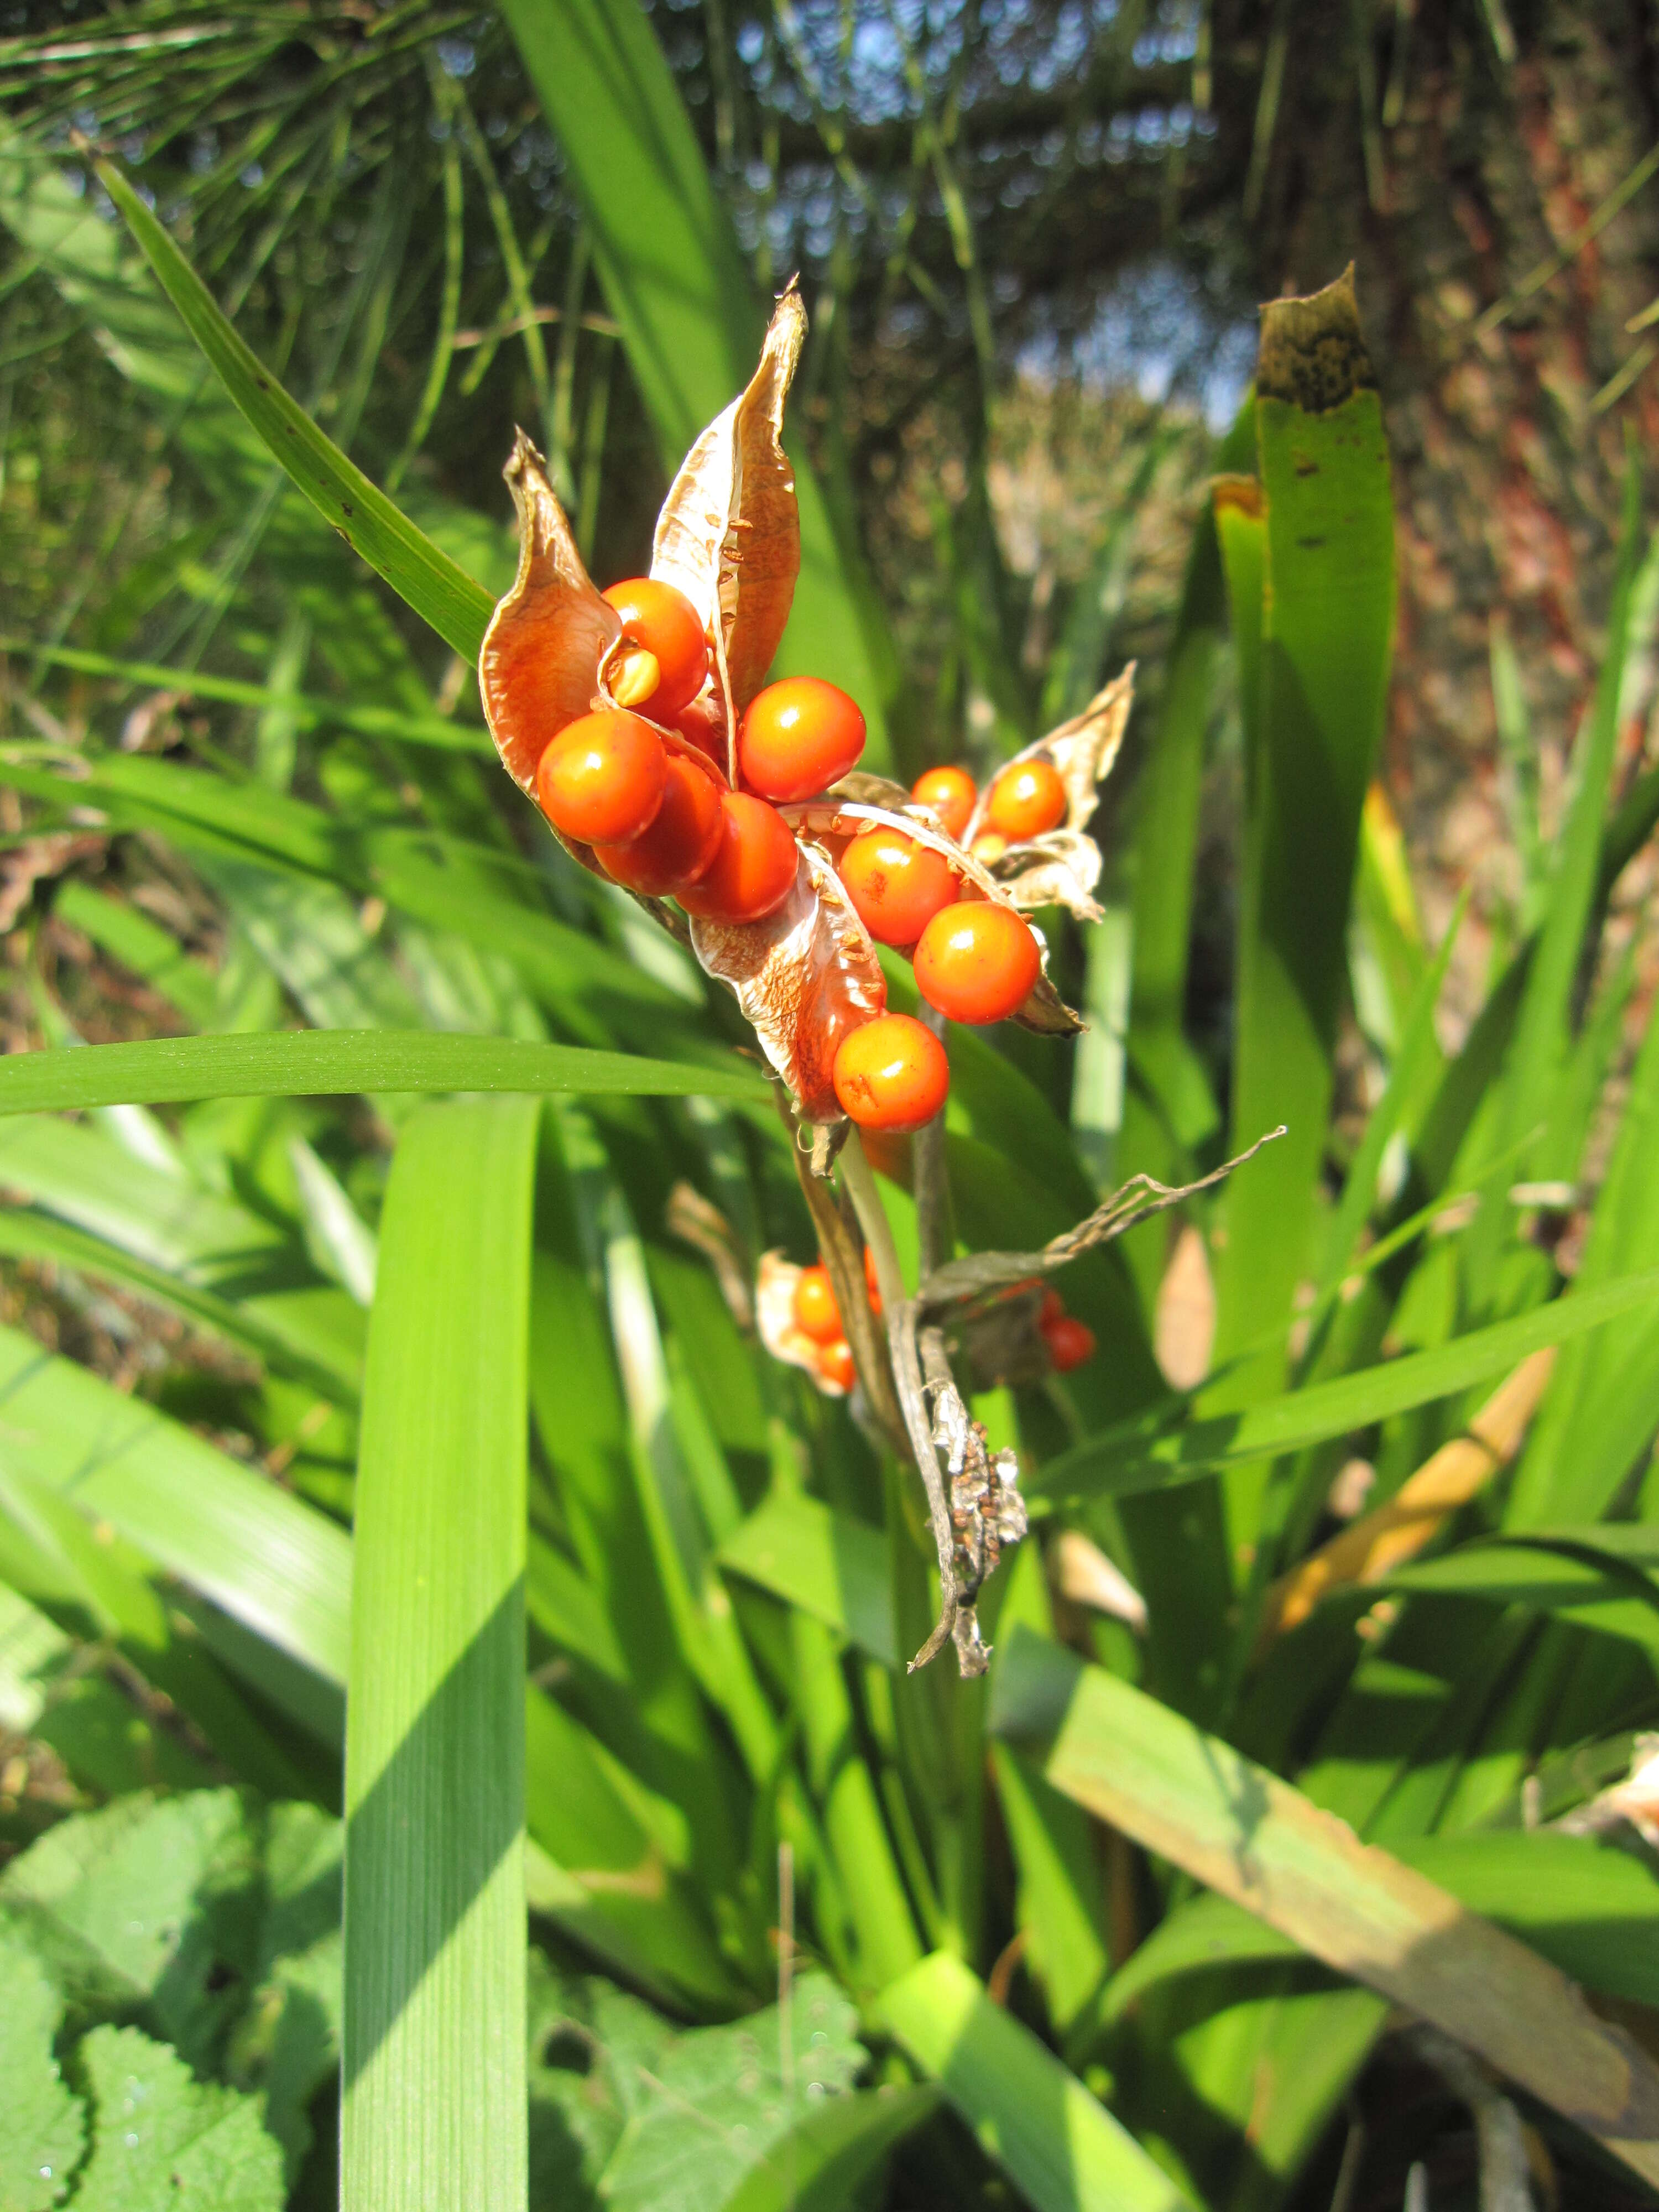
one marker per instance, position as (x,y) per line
(754,866)
(835,1363)
(816,1315)
(1070,1342)
(950,791)
(663,620)
(703,724)
(602,779)
(679,844)
(891,1074)
(897,886)
(989,845)
(870,1282)
(797,736)
(1053,1310)
(977,962)
(1027,799)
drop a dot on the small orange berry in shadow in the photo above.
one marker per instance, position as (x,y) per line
(835,1363)
(977,962)
(1053,1310)
(679,844)
(660,617)
(813,1305)
(895,884)
(891,1074)
(754,866)
(870,1282)
(797,736)
(951,793)
(1070,1342)
(602,779)
(1026,799)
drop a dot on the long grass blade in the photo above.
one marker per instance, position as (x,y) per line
(434,2098)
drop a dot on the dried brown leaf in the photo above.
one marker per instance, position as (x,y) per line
(539,667)
(804,976)
(729,533)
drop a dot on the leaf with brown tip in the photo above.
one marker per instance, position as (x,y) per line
(539,667)
(729,533)
(805,976)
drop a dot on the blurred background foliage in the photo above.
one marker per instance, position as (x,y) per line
(1032,237)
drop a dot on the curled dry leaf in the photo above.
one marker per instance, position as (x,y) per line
(729,533)
(539,664)
(837,818)
(775,1317)
(1062,867)
(804,976)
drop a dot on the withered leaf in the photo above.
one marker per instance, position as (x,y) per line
(729,533)
(1060,868)
(539,664)
(804,976)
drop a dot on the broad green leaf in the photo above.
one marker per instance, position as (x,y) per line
(430,582)
(691,325)
(305,1063)
(831,1566)
(1327,624)
(1590,1907)
(164,2143)
(41,2129)
(150,1903)
(724,2099)
(434,2097)
(1059,2146)
(269,1561)
(1137,1457)
(1242,1832)
(1586,1576)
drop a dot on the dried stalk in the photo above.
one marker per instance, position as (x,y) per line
(1140,1197)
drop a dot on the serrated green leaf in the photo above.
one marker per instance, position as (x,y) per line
(163,2142)
(42,2130)
(149,1902)
(724,2096)
(306,1063)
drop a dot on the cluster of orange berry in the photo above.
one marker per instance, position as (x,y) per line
(661,826)
(817,1315)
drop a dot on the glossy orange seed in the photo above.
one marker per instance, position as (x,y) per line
(660,617)
(816,1315)
(835,1363)
(1070,1342)
(753,870)
(602,779)
(1026,799)
(891,1074)
(951,793)
(895,884)
(797,736)
(678,845)
(977,962)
